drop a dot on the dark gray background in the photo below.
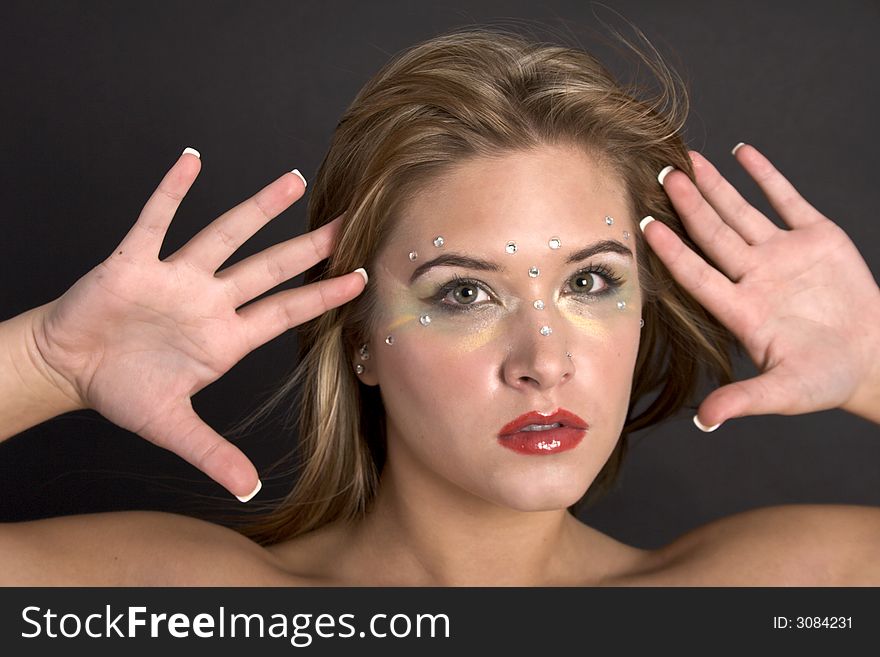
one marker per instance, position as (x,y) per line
(101,97)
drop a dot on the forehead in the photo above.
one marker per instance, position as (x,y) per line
(553,190)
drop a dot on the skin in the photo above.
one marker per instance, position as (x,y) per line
(497,517)
(448,388)
(454,507)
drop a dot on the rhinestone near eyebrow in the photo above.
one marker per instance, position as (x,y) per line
(539,305)
(425,320)
(626,234)
(389,339)
(546,330)
(510,248)
(554,243)
(609,220)
(621,305)
(439,241)
(534,271)
(413,255)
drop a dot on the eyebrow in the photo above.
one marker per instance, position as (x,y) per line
(605,246)
(468,262)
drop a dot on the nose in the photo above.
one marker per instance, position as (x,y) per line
(535,361)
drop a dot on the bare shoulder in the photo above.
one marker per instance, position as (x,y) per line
(786,545)
(133,548)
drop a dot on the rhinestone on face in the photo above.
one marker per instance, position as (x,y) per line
(425,320)
(546,330)
(554,243)
(609,220)
(510,248)
(621,305)
(413,255)
(389,339)
(626,234)
(365,352)
(642,323)
(539,305)
(533,272)
(439,241)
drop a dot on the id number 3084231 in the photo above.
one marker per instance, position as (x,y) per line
(812,622)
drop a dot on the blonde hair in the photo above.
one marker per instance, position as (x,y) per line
(472,93)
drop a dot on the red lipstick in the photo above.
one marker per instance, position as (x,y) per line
(531,432)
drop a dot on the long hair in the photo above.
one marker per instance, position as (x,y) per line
(473,93)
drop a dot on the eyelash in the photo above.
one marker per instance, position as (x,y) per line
(612,282)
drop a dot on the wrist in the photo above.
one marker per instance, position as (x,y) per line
(865,402)
(32,391)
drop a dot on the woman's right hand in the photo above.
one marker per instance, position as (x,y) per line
(137,337)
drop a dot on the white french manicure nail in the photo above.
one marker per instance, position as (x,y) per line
(191,151)
(301,177)
(703,427)
(248,498)
(363,272)
(736,148)
(644,222)
(663,174)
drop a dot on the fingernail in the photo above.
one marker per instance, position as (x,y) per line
(736,148)
(248,498)
(191,151)
(301,177)
(644,222)
(703,427)
(662,174)
(363,272)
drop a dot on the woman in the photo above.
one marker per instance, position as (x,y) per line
(521,304)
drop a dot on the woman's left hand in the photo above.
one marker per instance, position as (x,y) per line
(802,301)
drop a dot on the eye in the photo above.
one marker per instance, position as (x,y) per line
(585,281)
(588,282)
(462,292)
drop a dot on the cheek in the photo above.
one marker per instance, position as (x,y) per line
(437,362)
(604,342)
(438,355)
(610,325)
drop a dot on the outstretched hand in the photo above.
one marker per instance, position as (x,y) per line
(802,300)
(137,337)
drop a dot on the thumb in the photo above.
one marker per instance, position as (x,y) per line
(183,432)
(759,395)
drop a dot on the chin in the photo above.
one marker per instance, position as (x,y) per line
(542,496)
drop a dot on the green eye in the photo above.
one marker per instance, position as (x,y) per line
(461,294)
(465,293)
(584,282)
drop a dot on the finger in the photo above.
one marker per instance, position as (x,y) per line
(720,242)
(260,272)
(270,317)
(795,211)
(752,225)
(760,395)
(213,245)
(184,433)
(149,230)
(705,283)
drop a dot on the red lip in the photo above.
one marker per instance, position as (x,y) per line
(550,441)
(564,417)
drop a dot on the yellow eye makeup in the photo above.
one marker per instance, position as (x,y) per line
(472,310)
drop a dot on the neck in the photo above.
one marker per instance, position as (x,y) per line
(425,532)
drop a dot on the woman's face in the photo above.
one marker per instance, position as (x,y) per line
(497,342)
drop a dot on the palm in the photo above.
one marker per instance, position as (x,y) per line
(802,301)
(137,337)
(155,334)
